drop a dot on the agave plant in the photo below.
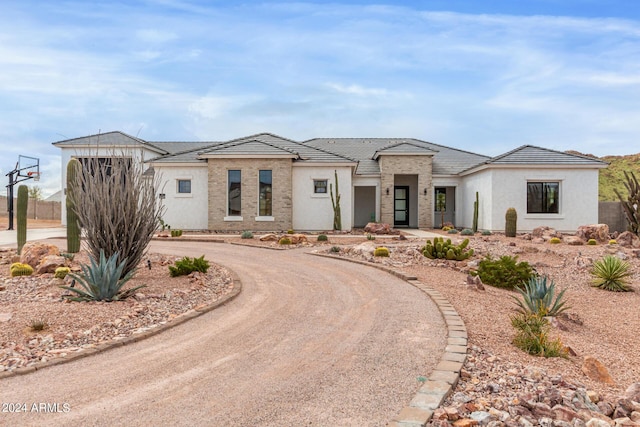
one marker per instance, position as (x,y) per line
(101,281)
(610,273)
(538,298)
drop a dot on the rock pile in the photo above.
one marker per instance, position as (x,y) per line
(493,393)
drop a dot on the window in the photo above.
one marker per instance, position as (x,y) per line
(184,186)
(234,192)
(264,191)
(320,186)
(441,199)
(543,197)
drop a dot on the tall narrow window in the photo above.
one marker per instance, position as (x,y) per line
(234,192)
(543,197)
(264,190)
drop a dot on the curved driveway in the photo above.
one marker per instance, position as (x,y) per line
(309,341)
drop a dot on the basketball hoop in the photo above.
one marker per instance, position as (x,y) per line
(34,175)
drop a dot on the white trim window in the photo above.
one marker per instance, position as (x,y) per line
(543,197)
(183,186)
(265,193)
(234,193)
(320,186)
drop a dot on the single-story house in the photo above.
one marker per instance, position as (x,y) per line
(265,182)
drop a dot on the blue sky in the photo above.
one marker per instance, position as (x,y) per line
(484,76)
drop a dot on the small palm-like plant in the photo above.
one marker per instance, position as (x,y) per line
(538,298)
(610,273)
(101,281)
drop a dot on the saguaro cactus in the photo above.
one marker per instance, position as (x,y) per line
(511,218)
(475,214)
(73,227)
(335,202)
(23,203)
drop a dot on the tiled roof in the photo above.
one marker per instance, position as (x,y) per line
(115,139)
(532,155)
(247,148)
(446,160)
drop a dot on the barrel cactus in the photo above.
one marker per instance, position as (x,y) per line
(19,269)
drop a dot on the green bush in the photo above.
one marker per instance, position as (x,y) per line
(322,238)
(610,273)
(452,231)
(486,232)
(19,269)
(335,249)
(538,298)
(101,281)
(284,241)
(176,233)
(467,232)
(381,251)
(592,242)
(246,235)
(554,240)
(532,336)
(505,272)
(444,249)
(188,265)
(371,237)
(61,272)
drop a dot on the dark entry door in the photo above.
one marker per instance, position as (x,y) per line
(401,205)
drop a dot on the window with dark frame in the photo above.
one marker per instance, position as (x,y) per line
(234,178)
(543,197)
(184,186)
(264,191)
(320,186)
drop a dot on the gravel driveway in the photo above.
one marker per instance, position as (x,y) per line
(309,341)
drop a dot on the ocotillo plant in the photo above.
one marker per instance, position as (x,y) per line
(73,227)
(632,203)
(335,202)
(475,214)
(511,219)
(23,203)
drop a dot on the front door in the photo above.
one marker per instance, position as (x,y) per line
(401,205)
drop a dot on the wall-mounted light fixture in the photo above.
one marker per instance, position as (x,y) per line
(387,191)
(162,196)
(425,191)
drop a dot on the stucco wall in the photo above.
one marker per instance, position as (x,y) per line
(314,211)
(184,211)
(482,182)
(249,219)
(578,204)
(391,165)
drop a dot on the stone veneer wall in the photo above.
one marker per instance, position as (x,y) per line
(391,165)
(281,194)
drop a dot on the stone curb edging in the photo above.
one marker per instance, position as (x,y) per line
(178,320)
(445,376)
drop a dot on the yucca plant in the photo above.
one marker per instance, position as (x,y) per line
(101,281)
(610,273)
(538,298)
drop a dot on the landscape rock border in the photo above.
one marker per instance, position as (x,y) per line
(442,381)
(178,320)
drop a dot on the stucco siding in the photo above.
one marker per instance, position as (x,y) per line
(314,211)
(187,211)
(482,182)
(219,218)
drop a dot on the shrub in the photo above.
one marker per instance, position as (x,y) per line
(176,233)
(610,273)
(538,299)
(38,325)
(554,240)
(335,249)
(452,231)
(246,235)
(284,241)
(446,228)
(444,249)
(467,232)
(102,280)
(532,336)
(371,236)
(381,251)
(505,272)
(188,265)
(290,231)
(486,232)
(322,238)
(613,242)
(61,272)
(592,242)
(19,269)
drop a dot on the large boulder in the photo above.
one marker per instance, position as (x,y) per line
(269,238)
(628,239)
(599,232)
(297,238)
(378,228)
(34,252)
(49,264)
(595,370)
(545,233)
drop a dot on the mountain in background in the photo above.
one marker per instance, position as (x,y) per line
(613,176)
